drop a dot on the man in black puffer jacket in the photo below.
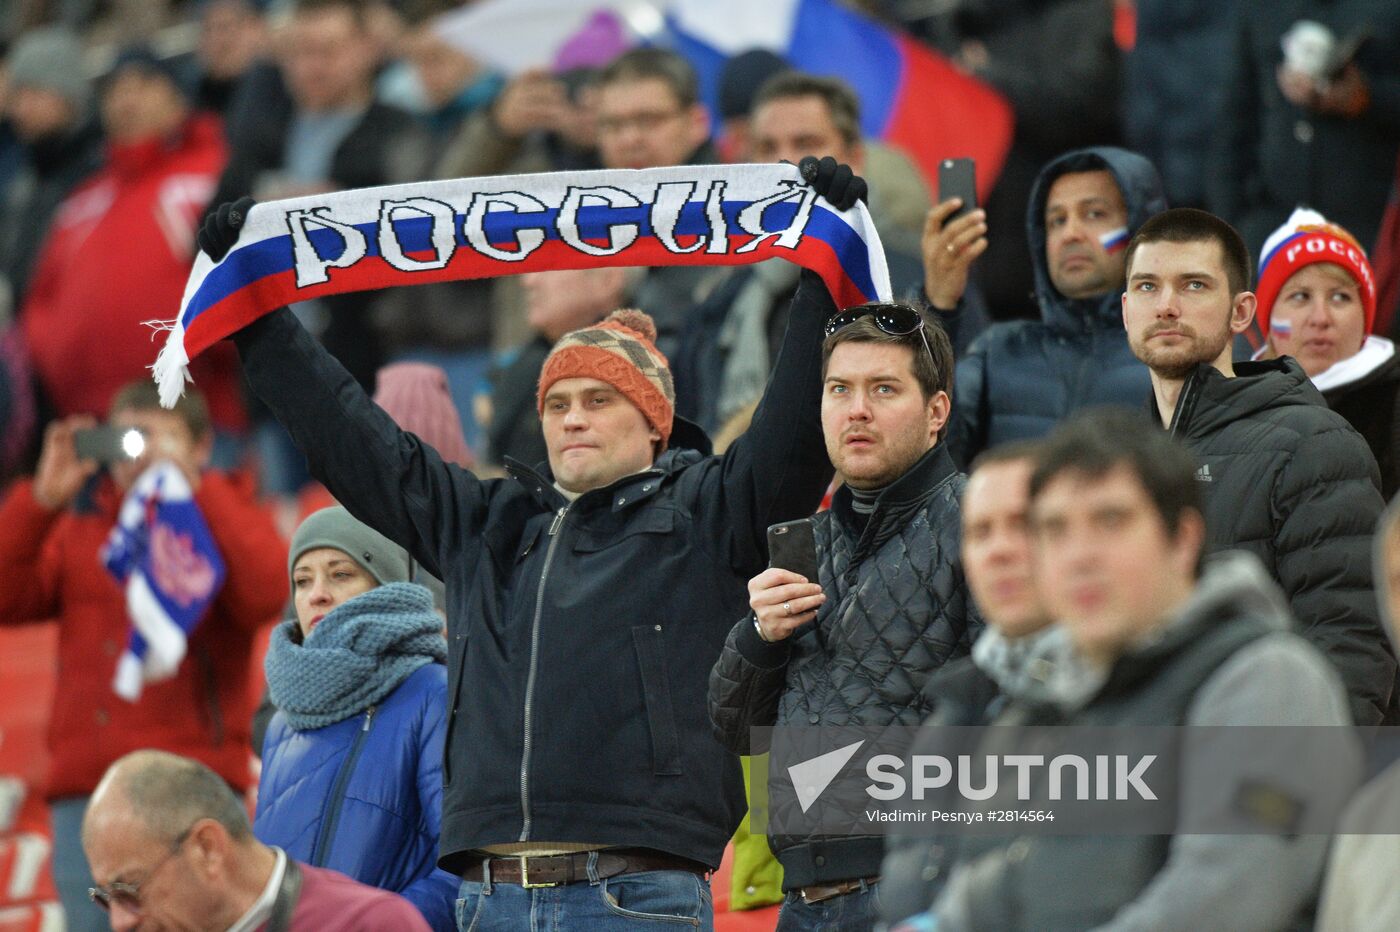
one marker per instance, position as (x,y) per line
(890,605)
(1020,378)
(1284,477)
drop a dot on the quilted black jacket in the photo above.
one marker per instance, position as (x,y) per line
(897,609)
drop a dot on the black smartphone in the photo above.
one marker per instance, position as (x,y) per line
(108,444)
(793,547)
(958,178)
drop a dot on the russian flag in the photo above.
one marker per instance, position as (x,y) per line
(911,97)
(1114,240)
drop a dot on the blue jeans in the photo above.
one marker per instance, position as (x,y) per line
(645,900)
(850,912)
(71,874)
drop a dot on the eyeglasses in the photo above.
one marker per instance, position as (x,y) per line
(644,122)
(894,319)
(128,895)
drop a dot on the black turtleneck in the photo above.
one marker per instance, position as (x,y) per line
(863,505)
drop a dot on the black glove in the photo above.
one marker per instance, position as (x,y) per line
(220,230)
(834,181)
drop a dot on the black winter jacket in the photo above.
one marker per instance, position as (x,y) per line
(1021,378)
(1370,405)
(580,634)
(1291,481)
(897,609)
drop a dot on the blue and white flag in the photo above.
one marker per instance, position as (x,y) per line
(163,554)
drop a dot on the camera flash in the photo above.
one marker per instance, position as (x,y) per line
(133,444)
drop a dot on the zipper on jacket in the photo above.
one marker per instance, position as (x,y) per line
(337,797)
(554,527)
(1185,404)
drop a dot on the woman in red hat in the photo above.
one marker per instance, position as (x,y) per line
(1317,303)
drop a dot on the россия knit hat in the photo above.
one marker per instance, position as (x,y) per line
(621,351)
(335,527)
(1307,238)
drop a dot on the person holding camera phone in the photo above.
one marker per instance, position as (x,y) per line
(1020,378)
(855,642)
(52,528)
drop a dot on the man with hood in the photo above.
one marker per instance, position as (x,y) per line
(1119,532)
(1282,475)
(1021,377)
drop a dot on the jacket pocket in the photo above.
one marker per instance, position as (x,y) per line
(656,692)
(608,531)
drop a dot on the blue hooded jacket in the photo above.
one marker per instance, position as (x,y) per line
(363,796)
(1020,378)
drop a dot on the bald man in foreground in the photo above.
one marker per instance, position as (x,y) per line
(170,847)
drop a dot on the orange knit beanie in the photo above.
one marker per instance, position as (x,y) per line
(621,351)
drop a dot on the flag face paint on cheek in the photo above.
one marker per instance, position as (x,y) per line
(410,234)
(1114,240)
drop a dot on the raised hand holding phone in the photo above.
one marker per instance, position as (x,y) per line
(787,595)
(955,234)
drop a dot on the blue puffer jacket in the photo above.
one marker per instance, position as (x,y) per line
(1021,378)
(364,796)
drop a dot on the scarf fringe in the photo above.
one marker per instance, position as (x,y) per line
(172,366)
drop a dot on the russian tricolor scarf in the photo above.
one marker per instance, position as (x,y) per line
(410,234)
(165,558)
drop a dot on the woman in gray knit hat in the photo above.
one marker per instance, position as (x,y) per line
(352,762)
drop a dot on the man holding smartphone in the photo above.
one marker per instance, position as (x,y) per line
(889,606)
(1019,378)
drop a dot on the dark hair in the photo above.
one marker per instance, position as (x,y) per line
(1189,225)
(1013,451)
(933,367)
(143,395)
(841,101)
(661,64)
(1096,442)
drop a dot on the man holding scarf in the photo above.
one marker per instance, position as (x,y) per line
(585,604)
(51,531)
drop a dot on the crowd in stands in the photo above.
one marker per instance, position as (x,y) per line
(451,606)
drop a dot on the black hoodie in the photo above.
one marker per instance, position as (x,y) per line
(1021,378)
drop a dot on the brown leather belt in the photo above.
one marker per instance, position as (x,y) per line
(557,869)
(818,892)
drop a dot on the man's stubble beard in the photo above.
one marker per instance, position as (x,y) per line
(1176,363)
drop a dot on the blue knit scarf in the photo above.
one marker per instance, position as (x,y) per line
(359,653)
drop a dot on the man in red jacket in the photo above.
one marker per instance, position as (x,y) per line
(119,249)
(51,529)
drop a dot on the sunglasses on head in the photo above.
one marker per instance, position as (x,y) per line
(894,319)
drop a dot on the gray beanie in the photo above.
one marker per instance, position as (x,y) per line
(335,527)
(51,58)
